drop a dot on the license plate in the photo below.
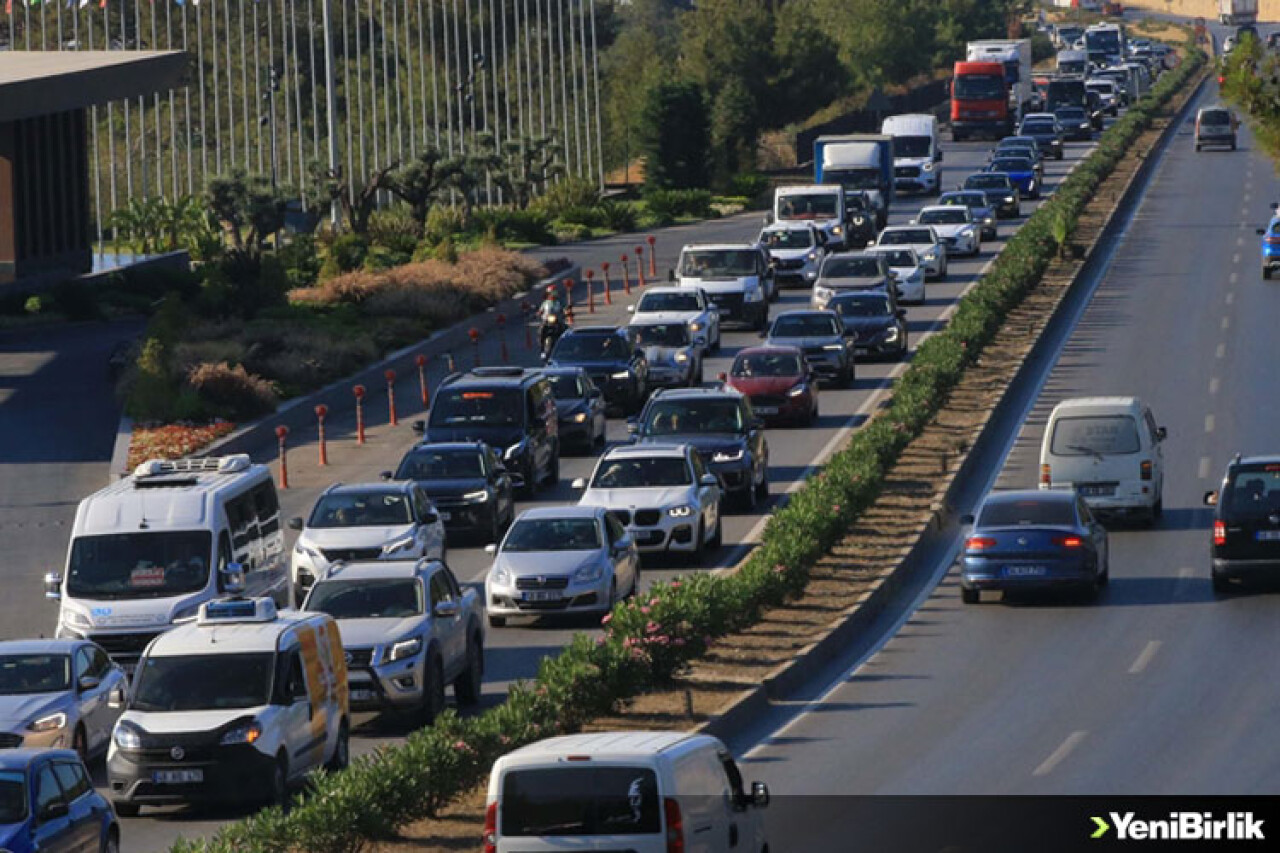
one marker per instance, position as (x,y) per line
(1025,571)
(766,410)
(361,695)
(541,596)
(444,516)
(177,777)
(1097,491)
(1269,535)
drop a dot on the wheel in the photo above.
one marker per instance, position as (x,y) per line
(432,694)
(497,621)
(530,481)
(699,543)
(279,793)
(847,377)
(717,538)
(469,684)
(957,136)
(762,488)
(968,596)
(1266,272)
(111,844)
(1233,145)
(1158,510)
(124,809)
(747,500)
(1095,588)
(1221,586)
(1059,155)
(1105,577)
(904,348)
(341,751)
(635,582)
(495,528)
(761,321)
(80,744)
(598,441)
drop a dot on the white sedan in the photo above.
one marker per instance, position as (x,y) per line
(955,225)
(926,243)
(904,263)
(688,305)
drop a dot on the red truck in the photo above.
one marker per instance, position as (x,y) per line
(980,101)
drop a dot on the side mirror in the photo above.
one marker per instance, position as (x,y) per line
(491,549)
(53,811)
(499,470)
(633,427)
(579,483)
(939,157)
(622,546)
(88,682)
(709,480)
(420,427)
(671,276)
(446,610)
(764,333)
(595,394)
(722,376)
(295,523)
(967,519)
(53,586)
(759,795)
(757,423)
(1161,433)
(115,699)
(386,475)
(1210,498)
(1262,232)
(699,341)
(430,517)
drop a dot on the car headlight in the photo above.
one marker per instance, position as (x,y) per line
(127,736)
(832,347)
(680,357)
(858,220)
(405,649)
(753,294)
(822,292)
(49,723)
(684,510)
(1031,184)
(988,220)
(589,573)
(500,576)
(931,255)
(891,334)
(248,733)
(796,391)
(515,451)
(1008,199)
(75,618)
(837,230)
(697,326)
(400,545)
(928,167)
(306,551)
(621,374)
(477,497)
(812,256)
(579,418)
(729,455)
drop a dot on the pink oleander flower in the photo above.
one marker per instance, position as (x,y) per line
(652,627)
(644,610)
(608,617)
(678,641)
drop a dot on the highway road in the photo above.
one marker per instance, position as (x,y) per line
(1157,689)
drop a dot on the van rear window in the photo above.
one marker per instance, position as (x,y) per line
(583,800)
(1252,492)
(1089,436)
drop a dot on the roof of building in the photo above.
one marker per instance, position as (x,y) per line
(36,83)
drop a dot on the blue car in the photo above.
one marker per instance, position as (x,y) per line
(1021,170)
(1271,244)
(48,804)
(1031,540)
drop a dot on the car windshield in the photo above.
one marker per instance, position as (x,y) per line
(362,509)
(139,565)
(389,598)
(202,682)
(661,335)
(792,238)
(21,674)
(966,200)
(642,473)
(856,201)
(804,326)
(979,87)
(553,534)
(911,146)
(1011,164)
(1216,117)
(441,465)
(766,364)
(590,348)
(567,386)
(1038,128)
(653,302)
(580,801)
(987,182)
(1071,114)
(905,237)
(863,267)
(500,407)
(861,305)
(1029,512)
(1094,436)
(680,417)
(900,257)
(808,206)
(719,263)
(958,216)
(1252,492)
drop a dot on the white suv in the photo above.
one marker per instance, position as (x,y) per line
(663,494)
(687,305)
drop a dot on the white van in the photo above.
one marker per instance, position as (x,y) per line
(149,549)
(647,792)
(917,154)
(1108,450)
(239,704)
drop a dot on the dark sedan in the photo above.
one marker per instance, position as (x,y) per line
(879,326)
(579,407)
(1077,124)
(1000,189)
(615,365)
(469,486)
(1026,540)
(1045,130)
(1022,171)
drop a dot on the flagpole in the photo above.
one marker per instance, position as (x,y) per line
(173,117)
(204,117)
(595,76)
(315,81)
(435,74)
(245,50)
(301,185)
(346,94)
(155,45)
(142,106)
(233,160)
(364,162)
(186,99)
(331,103)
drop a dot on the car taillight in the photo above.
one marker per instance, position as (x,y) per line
(1045,475)
(977,543)
(1271,240)
(675,825)
(491,828)
(1068,541)
(1146,469)
(1219,533)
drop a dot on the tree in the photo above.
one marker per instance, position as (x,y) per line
(358,203)
(676,142)
(477,163)
(525,164)
(639,57)
(420,181)
(808,74)
(735,130)
(248,207)
(728,41)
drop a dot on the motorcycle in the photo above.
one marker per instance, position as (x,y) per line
(550,330)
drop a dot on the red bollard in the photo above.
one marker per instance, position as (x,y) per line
(282,432)
(321,411)
(421,361)
(653,263)
(568,299)
(474,334)
(626,276)
(501,320)
(359,392)
(640,266)
(591,292)
(527,309)
(391,396)
(608,299)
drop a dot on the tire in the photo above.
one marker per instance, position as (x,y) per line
(968,596)
(635,582)
(111,844)
(1233,145)
(495,528)
(279,793)
(124,809)
(341,751)
(467,688)
(1197,147)
(553,472)
(80,744)
(761,321)
(762,488)
(497,621)
(1221,586)
(717,538)
(530,481)
(957,136)
(1266,273)
(699,544)
(432,694)
(1059,155)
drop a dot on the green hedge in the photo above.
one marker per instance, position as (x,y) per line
(649,639)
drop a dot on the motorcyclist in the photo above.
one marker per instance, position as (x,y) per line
(553,319)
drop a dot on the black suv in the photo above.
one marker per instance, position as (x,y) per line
(719,423)
(615,365)
(1246,521)
(509,408)
(468,484)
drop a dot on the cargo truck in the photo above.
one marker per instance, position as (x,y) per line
(858,162)
(980,101)
(1015,56)
(1104,43)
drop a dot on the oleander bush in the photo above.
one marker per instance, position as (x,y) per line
(649,639)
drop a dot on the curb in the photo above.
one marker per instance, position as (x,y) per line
(120,449)
(811,660)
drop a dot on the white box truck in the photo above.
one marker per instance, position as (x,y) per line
(1015,55)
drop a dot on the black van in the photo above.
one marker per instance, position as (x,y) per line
(1246,521)
(511,409)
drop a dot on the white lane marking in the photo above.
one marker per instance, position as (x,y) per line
(1213,385)
(1221,351)
(1056,757)
(1233,278)
(1204,468)
(1247,196)
(1231,296)
(1145,656)
(1208,423)
(1226,323)
(1235,259)
(1239,241)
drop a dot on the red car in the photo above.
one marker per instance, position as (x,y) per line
(778,382)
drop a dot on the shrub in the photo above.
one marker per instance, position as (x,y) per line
(618,215)
(442,221)
(232,392)
(382,258)
(673,204)
(570,232)
(395,229)
(151,387)
(346,253)
(517,226)
(565,195)
(300,258)
(750,186)
(35,304)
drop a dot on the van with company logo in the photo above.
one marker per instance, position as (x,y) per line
(239,704)
(646,792)
(1108,449)
(149,549)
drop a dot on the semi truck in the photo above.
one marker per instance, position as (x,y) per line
(980,101)
(1015,56)
(1236,12)
(862,161)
